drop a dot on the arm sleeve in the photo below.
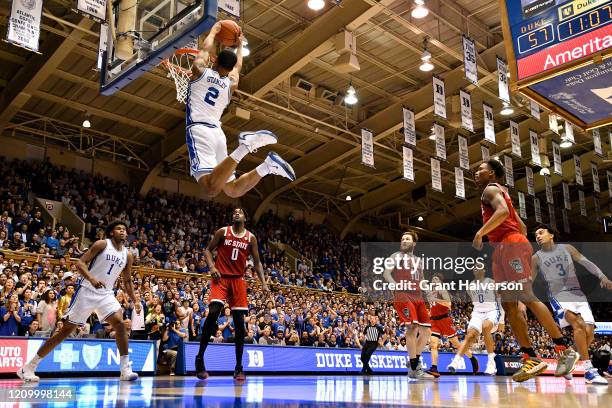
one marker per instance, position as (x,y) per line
(591,267)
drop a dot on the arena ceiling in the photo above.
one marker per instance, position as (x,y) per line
(46,96)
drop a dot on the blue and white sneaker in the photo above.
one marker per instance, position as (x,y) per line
(593,377)
(255,140)
(277,165)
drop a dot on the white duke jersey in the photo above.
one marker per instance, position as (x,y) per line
(484,300)
(106,267)
(557,269)
(207,98)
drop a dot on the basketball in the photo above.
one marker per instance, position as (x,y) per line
(229,34)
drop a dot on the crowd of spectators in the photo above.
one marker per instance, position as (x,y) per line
(314,304)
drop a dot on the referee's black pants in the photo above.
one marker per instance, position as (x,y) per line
(368,349)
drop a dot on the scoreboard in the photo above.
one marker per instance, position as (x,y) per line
(548,39)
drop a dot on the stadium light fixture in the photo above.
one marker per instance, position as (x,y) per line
(316,4)
(86,122)
(544,171)
(351,96)
(348,197)
(426,66)
(507,110)
(420,11)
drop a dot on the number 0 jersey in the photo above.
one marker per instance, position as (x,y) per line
(233,253)
(207,98)
(106,267)
(557,269)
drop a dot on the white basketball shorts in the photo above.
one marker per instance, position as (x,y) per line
(580,308)
(85,302)
(207,147)
(478,318)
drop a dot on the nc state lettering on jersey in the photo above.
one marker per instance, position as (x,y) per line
(216,81)
(115,259)
(237,244)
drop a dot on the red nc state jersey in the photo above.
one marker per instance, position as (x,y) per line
(233,252)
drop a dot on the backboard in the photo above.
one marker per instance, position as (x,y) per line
(141,33)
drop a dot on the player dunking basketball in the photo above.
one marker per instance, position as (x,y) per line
(512,263)
(99,267)
(409,304)
(233,244)
(209,93)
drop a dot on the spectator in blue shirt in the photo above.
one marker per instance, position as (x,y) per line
(27,311)
(171,340)
(52,242)
(9,317)
(224,324)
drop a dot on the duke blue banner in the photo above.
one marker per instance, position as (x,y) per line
(220,357)
(77,355)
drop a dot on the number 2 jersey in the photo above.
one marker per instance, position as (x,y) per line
(207,98)
(557,269)
(106,267)
(233,253)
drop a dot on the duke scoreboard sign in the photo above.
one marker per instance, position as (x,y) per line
(557,51)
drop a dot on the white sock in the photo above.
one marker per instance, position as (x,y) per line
(124,361)
(35,361)
(262,169)
(491,356)
(457,357)
(239,153)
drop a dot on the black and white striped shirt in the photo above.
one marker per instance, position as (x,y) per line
(373,333)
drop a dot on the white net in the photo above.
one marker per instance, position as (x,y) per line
(179,69)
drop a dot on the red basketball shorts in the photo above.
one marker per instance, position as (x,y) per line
(412,312)
(232,290)
(443,327)
(512,259)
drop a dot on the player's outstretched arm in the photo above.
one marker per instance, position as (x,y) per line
(86,259)
(234,75)
(126,275)
(257,262)
(212,245)
(589,266)
(207,47)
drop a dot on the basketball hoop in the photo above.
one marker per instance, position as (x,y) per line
(179,68)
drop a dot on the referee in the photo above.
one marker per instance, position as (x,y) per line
(373,333)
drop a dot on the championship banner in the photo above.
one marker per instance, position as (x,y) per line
(597,143)
(569,132)
(436,176)
(509,171)
(595,174)
(567,204)
(552,123)
(502,80)
(439,97)
(578,170)
(459,183)
(522,207)
(24,24)
(535,109)
(102,45)
(466,110)
(515,139)
(484,151)
(583,211)
(549,192)
(469,60)
(566,225)
(464,159)
(367,148)
(609,174)
(597,208)
(535,148)
(408,163)
(440,142)
(94,9)
(551,216)
(529,175)
(409,127)
(558,168)
(489,126)
(230,6)
(538,209)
